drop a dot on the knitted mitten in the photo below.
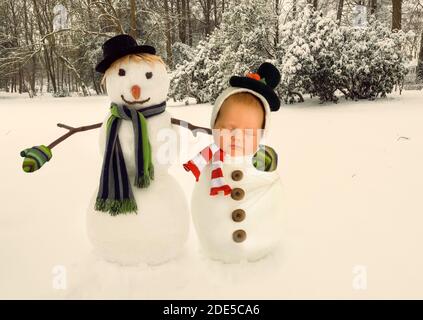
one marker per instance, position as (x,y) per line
(265,159)
(35,157)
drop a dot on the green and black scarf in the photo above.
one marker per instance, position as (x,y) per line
(115,193)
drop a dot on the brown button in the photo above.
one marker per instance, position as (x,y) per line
(239,235)
(237,175)
(238,215)
(237,193)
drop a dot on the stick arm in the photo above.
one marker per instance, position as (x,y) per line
(71,131)
(193,128)
(36,156)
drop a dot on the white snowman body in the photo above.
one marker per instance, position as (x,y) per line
(222,233)
(217,221)
(159,230)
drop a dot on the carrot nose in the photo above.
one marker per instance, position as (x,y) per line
(136,92)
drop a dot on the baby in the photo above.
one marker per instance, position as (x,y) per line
(239,124)
(236,204)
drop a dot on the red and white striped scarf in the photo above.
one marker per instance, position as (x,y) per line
(199,162)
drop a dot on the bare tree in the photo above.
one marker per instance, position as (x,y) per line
(35,56)
(420,60)
(277,30)
(373,6)
(168,34)
(182,16)
(339,11)
(396,14)
(294,9)
(315,3)
(206,6)
(133,30)
(189,19)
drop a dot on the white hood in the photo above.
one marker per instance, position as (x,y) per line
(232,90)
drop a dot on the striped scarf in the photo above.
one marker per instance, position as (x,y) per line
(115,193)
(199,162)
(265,159)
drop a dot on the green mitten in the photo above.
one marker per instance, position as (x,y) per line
(265,159)
(35,157)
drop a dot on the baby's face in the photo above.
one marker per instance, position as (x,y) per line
(239,128)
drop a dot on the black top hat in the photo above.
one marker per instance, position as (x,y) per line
(264,81)
(118,47)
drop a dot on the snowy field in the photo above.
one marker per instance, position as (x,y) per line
(353,186)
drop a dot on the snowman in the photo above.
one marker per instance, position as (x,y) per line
(137,83)
(236,204)
(138,213)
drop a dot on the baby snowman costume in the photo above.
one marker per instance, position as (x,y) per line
(236,204)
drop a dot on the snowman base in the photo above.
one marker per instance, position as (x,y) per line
(155,235)
(243,258)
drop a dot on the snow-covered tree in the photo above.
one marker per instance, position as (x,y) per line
(371,61)
(181,52)
(308,55)
(318,57)
(240,44)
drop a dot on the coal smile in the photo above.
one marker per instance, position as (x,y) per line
(134,102)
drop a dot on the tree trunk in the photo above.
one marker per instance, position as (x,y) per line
(172,21)
(396,14)
(314,3)
(373,6)
(184,19)
(133,31)
(181,9)
(419,71)
(189,23)
(215,13)
(276,40)
(41,82)
(169,57)
(48,61)
(75,72)
(207,12)
(339,12)
(20,82)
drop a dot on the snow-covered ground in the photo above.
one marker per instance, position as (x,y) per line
(353,186)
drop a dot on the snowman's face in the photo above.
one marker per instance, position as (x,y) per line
(137,82)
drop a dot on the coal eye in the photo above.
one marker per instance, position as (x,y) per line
(148,75)
(121,72)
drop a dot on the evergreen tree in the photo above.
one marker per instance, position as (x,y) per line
(239,45)
(372,61)
(318,57)
(308,59)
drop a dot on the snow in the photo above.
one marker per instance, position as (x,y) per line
(352,181)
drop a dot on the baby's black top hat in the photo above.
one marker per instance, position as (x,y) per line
(264,82)
(118,47)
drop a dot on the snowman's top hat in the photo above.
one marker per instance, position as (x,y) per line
(260,84)
(118,47)
(263,82)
